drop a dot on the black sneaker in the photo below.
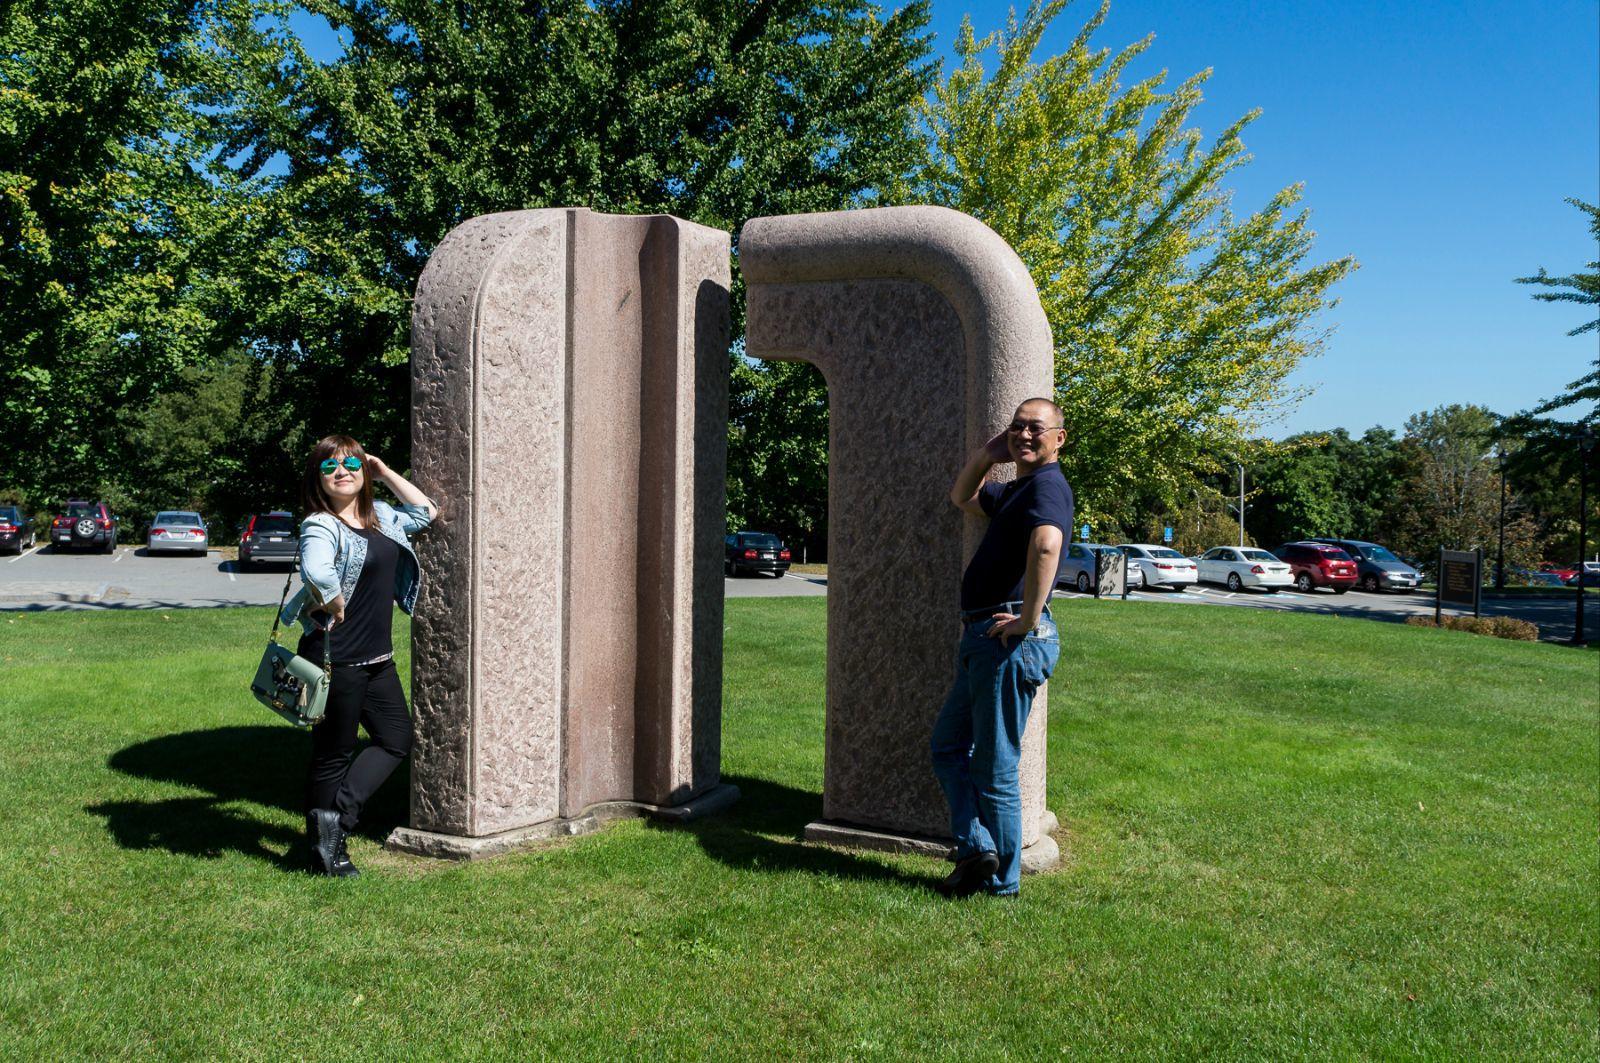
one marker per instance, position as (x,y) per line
(971,875)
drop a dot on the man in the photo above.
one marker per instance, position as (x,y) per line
(1008,645)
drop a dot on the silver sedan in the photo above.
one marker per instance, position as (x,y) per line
(178,531)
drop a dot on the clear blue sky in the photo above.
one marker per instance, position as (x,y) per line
(1436,142)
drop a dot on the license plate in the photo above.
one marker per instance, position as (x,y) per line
(768,556)
(274,538)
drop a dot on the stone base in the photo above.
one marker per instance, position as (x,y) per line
(591,819)
(1042,855)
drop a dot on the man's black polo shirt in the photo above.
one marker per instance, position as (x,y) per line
(995,573)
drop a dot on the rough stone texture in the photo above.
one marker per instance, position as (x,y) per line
(929,332)
(569,412)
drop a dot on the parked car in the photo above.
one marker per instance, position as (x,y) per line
(1541,579)
(1244,566)
(1561,572)
(754,552)
(1589,576)
(269,537)
(85,526)
(178,531)
(1319,565)
(1077,566)
(1159,566)
(16,530)
(1377,569)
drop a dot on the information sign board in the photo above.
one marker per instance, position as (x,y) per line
(1460,580)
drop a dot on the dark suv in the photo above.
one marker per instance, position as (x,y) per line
(1318,565)
(85,526)
(755,552)
(269,537)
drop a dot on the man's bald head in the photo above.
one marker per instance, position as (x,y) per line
(1042,410)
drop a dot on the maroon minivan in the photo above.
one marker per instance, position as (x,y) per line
(1318,565)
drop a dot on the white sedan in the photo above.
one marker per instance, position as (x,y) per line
(1159,566)
(1244,566)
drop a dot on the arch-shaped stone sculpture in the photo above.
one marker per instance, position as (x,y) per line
(929,332)
(569,408)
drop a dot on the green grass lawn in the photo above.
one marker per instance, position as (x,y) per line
(1287,836)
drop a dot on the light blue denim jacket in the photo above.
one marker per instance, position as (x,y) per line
(331,556)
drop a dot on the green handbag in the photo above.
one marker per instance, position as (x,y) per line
(288,684)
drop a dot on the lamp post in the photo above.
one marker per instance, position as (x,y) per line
(1585,445)
(1241,502)
(1500,556)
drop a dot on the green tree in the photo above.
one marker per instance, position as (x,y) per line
(713,110)
(1175,321)
(113,218)
(1449,491)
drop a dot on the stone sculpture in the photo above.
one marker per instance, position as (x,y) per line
(569,401)
(929,332)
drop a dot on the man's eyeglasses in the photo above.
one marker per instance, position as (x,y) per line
(349,461)
(1032,429)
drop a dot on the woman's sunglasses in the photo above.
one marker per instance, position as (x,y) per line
(349,461)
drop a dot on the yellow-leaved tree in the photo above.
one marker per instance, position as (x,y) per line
(1175,321)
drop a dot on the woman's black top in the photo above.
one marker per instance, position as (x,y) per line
(365,632)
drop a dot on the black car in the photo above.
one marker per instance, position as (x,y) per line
(16,530)
(269,537)
(85,526)
(755,552)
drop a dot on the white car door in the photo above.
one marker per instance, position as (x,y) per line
(1211,567)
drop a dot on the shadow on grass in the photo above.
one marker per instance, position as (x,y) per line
(264,766)
(743,837)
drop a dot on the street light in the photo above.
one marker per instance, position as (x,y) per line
(1500,557)
(1585,445)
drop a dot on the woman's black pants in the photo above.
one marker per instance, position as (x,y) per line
(371,696)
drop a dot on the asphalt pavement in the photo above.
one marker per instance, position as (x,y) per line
(43,579)
(133,578)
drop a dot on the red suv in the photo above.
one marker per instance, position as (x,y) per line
(1318,565)
(85,526)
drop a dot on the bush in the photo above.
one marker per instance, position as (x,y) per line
(1501,627)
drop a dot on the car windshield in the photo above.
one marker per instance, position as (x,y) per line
(192,519)
(81,509)
(1333,553)
(1162,551)
(1379,553)
(274,525)
(758,539)
(9,513)
(1257,555)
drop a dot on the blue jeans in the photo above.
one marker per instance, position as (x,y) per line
(977,739)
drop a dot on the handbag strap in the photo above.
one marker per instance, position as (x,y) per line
(277,617)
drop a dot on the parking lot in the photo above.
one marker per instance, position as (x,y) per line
(43,579)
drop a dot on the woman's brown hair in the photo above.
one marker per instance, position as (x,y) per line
(312,495)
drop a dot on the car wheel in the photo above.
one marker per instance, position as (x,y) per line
(1302,583)
(1083,583)
(1233,582)
(1369,584)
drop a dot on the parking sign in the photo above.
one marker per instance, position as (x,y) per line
(1083,533)
(1166,535)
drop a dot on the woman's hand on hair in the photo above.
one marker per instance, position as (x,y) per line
(379,470)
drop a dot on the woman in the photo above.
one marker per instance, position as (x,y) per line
(357,564)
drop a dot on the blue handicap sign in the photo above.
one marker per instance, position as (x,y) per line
(1085,532)
(1166,535)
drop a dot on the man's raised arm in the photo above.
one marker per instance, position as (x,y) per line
(964,492)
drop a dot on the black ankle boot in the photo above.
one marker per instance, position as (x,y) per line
(328,853)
